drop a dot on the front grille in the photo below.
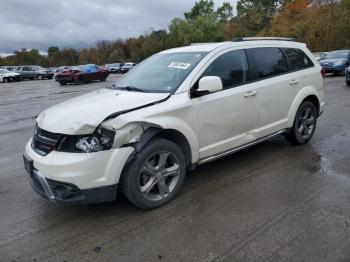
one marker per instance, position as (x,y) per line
(44,142)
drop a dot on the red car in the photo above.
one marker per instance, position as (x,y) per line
(82,74)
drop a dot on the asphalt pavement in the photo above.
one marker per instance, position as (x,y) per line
(271,202)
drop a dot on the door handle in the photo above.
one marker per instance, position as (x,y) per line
(250,93)
(293,82)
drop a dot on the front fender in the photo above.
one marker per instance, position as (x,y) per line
(164,122)
(184,128)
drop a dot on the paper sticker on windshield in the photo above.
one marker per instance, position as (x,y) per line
(179,65)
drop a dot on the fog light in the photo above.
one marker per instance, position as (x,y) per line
(63,191)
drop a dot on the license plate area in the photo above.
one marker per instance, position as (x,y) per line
(28,164)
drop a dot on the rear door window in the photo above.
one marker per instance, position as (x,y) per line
(298,60)
(231,67)
(268,62)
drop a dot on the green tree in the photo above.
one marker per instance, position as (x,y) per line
(254,15)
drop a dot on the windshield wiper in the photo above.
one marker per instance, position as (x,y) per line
(131,88)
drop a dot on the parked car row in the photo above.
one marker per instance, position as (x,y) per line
(82,74)
(26,72)
(120,68)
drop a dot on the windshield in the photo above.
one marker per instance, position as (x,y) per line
(338,55)
(161,73)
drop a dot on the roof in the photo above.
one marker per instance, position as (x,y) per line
(208,47)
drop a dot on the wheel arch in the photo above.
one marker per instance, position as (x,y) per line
(307,94)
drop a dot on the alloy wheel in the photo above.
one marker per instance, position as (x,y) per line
(159,176)
(306,123)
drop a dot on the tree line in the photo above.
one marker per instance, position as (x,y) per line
(321,27)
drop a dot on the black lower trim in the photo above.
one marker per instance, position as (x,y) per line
(72,195)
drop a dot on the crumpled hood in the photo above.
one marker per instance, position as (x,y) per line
(82,114)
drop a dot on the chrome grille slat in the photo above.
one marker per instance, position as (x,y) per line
(44,142)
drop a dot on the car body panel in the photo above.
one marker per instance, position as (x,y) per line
(83,170)
(81,115)
(9,75)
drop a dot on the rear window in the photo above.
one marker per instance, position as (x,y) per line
(269,62)
(298,59)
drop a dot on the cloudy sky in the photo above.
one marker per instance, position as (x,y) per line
(80,23)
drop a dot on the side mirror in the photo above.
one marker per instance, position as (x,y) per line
(207,85)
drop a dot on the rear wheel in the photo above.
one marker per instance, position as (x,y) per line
(39,77)
(5,80)
(304,124)
(62,83)
(78,81)
(155,175)
(348,83)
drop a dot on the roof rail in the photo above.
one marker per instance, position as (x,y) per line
(203,43)
(242,39)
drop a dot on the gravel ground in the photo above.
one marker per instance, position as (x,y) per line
(273,201)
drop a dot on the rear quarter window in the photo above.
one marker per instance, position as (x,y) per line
(298,60)
(268,62)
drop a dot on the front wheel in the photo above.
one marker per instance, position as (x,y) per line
(39,77)
(348,83)
(155,175)
(5,80)
(304,124)
(62,83)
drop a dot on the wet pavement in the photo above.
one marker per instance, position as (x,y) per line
(272,202)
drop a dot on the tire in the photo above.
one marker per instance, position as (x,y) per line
(78,81)
(155,175)
(348,83)
(39,77)
(5,80)
(305,116)
(62,83)
(102,79)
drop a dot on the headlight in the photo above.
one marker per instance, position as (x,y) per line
(338,63)
(100,140)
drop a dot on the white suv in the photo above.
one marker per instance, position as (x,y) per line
(177,109)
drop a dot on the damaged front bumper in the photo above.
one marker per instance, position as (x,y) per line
(76,178)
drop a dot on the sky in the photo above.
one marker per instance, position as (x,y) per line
(80,23)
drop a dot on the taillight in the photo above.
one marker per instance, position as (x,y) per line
(323,72)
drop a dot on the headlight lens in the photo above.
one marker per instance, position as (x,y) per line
(340,62)
(100,140)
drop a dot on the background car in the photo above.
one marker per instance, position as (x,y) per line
(82,74)
(113,68)
(8,76)
(34,72)
(126,67)
(347,76)
(319,55)
(11,68)
(336,61)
